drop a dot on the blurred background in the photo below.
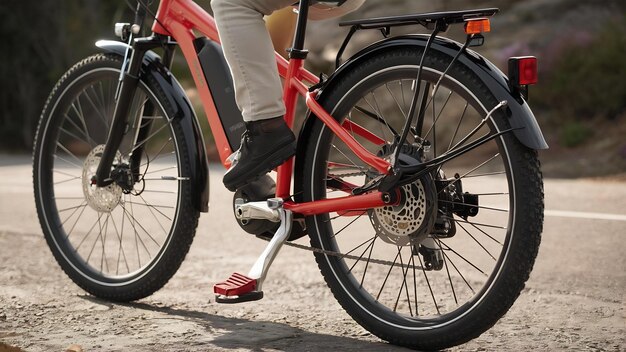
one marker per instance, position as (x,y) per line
(580,101)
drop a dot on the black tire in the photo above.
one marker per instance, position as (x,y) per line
(445,311)
(154,221)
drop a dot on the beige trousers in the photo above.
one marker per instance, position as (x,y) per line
(249,53)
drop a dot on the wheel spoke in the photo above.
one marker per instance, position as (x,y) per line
(486,234)
(432,294)
(66,174)
(449,260)
(98,111)
(475,223)
(396,101)
(346,226)
(477,242)
(148,138)
(475,206)
(103,240)
(403,285)
(463,258)
(75,222)
(88,233)
(160,170)
(379,116)
(67,161)
(371,245)
(158,153)
(361,245)
(70,208)
(95,241)
(387,277)
(68,152)
(414,284)
(369,257)
(132,218)
(345,156)
(88,139)
(98,230)
(456,130)
(150,208)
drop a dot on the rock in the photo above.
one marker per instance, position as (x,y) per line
(74,348)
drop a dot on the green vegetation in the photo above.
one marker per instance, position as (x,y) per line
(41,40)
(586,81)
(574,134)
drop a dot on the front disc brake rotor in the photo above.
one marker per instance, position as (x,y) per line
(101,199)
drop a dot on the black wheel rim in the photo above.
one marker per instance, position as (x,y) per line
(402,292)
(108,246)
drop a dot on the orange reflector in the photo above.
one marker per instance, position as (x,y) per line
(477,25)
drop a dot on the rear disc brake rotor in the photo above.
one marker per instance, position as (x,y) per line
(411,220)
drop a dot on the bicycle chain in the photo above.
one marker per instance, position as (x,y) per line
(360,173)
(341,255)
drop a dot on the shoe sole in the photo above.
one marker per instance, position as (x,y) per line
(278,157)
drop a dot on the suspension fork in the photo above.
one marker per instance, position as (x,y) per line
(145,121)
(126,94)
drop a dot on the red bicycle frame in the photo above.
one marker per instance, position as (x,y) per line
(180,18)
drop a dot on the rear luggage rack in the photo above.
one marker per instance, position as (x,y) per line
(424,19)
(432,20)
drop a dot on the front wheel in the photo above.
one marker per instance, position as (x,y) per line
(443,265)
(124,241)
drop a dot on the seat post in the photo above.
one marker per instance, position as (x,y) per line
(297,50)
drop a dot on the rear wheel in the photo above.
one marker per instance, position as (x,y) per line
(124,241)
(449,260)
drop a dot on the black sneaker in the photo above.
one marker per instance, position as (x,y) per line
(264,145)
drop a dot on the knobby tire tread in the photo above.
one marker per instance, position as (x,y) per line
(180,243)
(529,205)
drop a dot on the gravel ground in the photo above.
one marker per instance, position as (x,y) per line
(574,299)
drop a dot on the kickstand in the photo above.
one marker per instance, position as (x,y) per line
(241,288)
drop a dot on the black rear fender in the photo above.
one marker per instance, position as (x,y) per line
(521,118)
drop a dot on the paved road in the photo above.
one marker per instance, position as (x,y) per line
(574,299)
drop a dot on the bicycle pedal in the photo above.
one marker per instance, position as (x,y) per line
(238,288)
(246,297)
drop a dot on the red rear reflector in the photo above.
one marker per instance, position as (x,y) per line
(523,70)
(477,25)
(528,71)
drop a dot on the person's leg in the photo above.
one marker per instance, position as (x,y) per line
(267,142)
(249,52)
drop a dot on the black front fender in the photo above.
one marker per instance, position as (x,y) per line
(183,111)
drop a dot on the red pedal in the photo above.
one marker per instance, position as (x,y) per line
(236,285)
